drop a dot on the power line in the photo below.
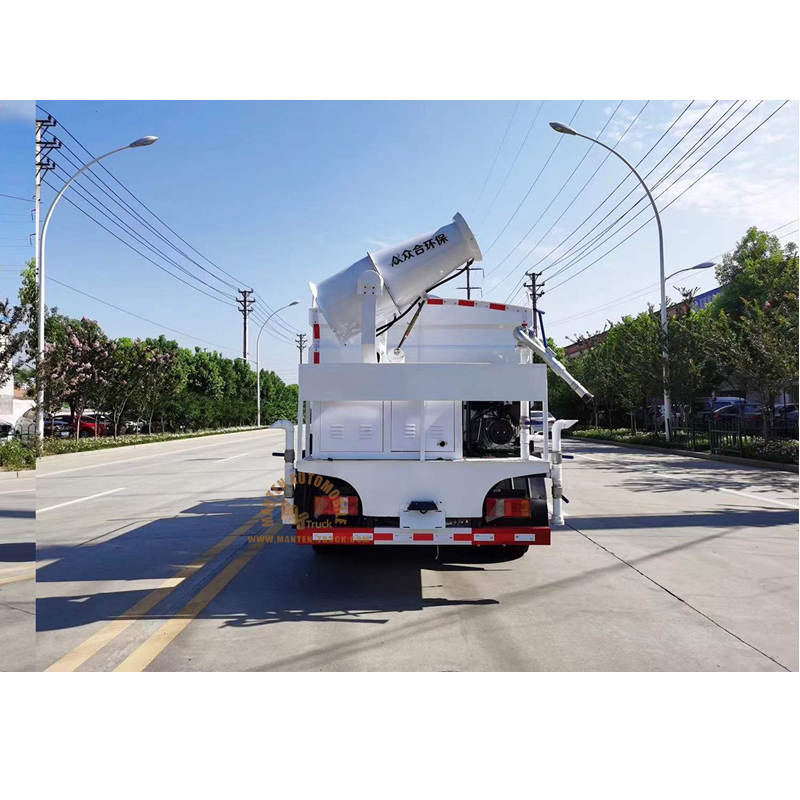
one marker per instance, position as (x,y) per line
(239,282)
(536,180)
(14,197)
(713,166)
(138,316)
(643,210)
(503,141)
(614,190)
(595,242)
(107,190)
(585,155)
(150,321)
(81,190)
(513,163)
(119,238)
(650,287)
(115,219)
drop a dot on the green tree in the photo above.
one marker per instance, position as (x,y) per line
(18,325)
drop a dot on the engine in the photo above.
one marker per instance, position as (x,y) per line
(492,429)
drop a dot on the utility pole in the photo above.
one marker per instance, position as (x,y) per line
(43,164)
(301,344)
(469,287)
(246,303)
(536,292)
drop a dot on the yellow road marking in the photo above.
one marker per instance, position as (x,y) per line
(18,567)
(84,651)
(16,578)
(170,630)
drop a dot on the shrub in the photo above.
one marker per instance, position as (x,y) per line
(53,447)
(15,456)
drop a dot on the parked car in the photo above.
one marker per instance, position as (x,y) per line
(745,413)
(6,430)
(536,421)
(25,426)
(88,423)
(786,413)
(719,402)
(134,426)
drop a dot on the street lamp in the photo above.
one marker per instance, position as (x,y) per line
(704,265)
(143,142)
(258,359)
(560,127)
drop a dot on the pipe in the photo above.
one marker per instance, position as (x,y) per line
(287,507)
(556,460)
(522,334)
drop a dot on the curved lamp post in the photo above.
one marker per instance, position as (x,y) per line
(258,359)
(143,142)
(560,127)
(704,265)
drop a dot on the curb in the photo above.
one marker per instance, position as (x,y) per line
(744,462)
(6,475)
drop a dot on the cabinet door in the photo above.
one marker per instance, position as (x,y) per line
(351,427)
(439,426)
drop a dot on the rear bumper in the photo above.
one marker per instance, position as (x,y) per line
(457,536)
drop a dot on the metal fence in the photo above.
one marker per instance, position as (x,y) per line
(731,437)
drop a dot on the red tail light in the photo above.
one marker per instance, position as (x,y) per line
(335,506)
(497,507)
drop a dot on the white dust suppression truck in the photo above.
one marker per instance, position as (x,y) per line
(416,413)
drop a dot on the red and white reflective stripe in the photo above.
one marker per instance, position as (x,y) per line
(315,329)
(441,301)
(463,536)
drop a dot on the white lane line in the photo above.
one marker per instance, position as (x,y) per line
(19,491)
(758,497)
(590,458)
(79,500)
(230,457)
(152,455)
(749,495)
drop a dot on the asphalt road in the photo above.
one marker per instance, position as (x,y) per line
(17,587)
(667,563)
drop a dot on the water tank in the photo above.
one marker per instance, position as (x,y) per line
(408,269)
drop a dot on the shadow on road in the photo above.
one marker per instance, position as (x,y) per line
(659,472)
(103,577)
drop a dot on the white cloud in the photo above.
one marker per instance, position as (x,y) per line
(17,110)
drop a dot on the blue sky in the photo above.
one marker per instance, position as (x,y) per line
(280,193)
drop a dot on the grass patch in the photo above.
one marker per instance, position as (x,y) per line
(54,447)
(15,456)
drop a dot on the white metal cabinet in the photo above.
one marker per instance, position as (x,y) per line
(346,427)
(439,426)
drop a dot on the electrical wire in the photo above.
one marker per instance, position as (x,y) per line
(115,219)
(511,168)
(494,161)
(14,197)
(595,242)
(564,186)
(614,190)
(276,318)
(647,289)
(713,166)
(643,210)
(147,258)
(536,180)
